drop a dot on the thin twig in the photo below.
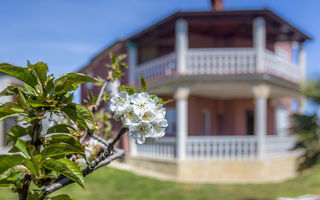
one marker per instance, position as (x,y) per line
(108,155)
(107,152)
(103,88)
(93,108)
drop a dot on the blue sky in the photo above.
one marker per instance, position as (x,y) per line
(67,33)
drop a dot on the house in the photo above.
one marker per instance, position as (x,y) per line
(233,75)
(6,124)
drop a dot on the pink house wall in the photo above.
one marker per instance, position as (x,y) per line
(233,114)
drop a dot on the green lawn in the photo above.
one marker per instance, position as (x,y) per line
(109,183)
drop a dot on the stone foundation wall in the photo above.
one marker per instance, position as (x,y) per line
(221,171)
(167,167)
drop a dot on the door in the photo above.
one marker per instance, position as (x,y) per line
(250,122)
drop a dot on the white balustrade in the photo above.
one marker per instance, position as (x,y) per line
(221,147)
(218,147)
(156,68)
(279,145)
(280,67)
(162,148)
(219,61)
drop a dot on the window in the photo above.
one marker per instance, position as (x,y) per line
(7,124)
(220,123)
(171,116)
(282,120)
(250,122)
(206,125)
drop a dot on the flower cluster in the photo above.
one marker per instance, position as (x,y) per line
(143,115)
(92,148)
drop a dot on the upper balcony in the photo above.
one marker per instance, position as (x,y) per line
(224,43)
(219,61)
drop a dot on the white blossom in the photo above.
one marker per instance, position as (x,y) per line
(119,104)
(142,115)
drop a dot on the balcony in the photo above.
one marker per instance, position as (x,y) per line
(219,61)
(217,147)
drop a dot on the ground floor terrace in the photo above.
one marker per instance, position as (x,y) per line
(226,132)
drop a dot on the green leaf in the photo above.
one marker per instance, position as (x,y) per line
(29,89)
(70,82)
(63,128)
(11,107)
(18,131)
(34,165)
(80,114)
(129,89)
(50,85)
(33,195)
(160,100)
(39,102)
(68,99)
(63,86)
(11,90)
(9,161)
(32,168)
(58,149)
(41,70)
(21,145)
(21,100)
(4,115)
(11,179)
(20,73)
(65,167)
(77,78)
(63,138)
(143,84)
(61,197)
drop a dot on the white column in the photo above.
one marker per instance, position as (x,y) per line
(133,147)
(282,120)
(182,121)
(132,61)
(181,45)
(259,42)
(261,93)
(302,104)
(302,62)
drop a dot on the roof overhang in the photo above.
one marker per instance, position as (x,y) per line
(231,15)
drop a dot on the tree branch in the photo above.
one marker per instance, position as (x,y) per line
(66,181)
(23,192)
(103,88)
(108,155)
(93,109)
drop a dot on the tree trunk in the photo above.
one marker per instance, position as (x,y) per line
(23,192)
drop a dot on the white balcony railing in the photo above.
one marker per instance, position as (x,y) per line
(221,147)
(280,67)
(219,61)
(218,147)
(156,68)
(279,145)
(163,148)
